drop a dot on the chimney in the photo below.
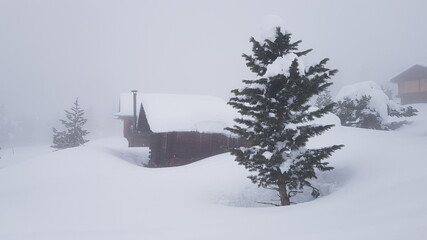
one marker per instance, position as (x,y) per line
(134,110)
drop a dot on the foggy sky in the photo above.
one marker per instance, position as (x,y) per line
(53,51)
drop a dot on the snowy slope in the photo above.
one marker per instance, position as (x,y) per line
(11,156)
(377,191)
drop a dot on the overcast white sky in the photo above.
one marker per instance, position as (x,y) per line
(53,51)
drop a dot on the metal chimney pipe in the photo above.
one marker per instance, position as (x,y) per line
(134,110)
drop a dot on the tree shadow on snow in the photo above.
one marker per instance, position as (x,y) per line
(250,196)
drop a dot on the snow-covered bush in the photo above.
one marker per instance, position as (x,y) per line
(365,105)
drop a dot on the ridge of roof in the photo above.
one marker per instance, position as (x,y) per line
(416,72)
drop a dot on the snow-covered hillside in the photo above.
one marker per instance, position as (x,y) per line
(100,191)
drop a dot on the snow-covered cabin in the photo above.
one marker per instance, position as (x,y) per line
(412,84)
(179,129)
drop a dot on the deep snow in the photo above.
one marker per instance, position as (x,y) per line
(99,191)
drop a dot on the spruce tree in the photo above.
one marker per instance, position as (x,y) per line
(275,117)
(324,99)
(74,134)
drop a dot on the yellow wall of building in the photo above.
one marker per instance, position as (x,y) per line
(409,87)
(423,85)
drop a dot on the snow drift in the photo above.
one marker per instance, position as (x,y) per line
(99,192)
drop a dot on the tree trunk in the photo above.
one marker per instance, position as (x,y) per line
(283,194)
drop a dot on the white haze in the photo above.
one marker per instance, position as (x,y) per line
(54,51)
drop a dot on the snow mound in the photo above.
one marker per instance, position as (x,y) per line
(98,192)
(326,119)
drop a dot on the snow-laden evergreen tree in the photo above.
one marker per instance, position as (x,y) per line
(324,99)
(74,133)
(275,116)
(365,105)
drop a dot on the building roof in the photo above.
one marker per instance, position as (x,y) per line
(416,72)
(174,112)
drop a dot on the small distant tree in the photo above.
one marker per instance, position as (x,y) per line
(74,133)
(323,99)
(275,117)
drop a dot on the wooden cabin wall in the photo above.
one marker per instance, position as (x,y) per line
(414,91)
(409,98)
(179,148)
(423,85)
(413,86)
(409,87)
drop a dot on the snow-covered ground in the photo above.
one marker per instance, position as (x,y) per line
(11,156)
(100,191)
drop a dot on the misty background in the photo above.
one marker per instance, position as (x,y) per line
(52,51)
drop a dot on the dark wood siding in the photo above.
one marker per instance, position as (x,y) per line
(174,148)
(179,148)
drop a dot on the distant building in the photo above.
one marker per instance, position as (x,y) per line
(412,85)
(178,129)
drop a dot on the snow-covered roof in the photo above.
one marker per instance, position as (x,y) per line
(174,112)
(416,72)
